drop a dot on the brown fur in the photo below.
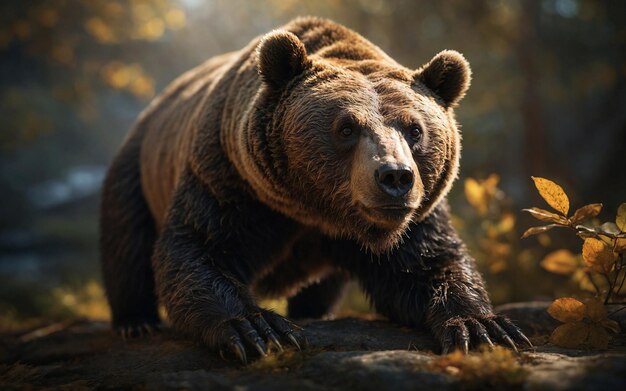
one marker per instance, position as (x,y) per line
(350,73)
(268,169)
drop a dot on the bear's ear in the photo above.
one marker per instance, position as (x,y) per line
(282,57)
(448,75)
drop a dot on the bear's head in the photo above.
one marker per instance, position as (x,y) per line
(356,147)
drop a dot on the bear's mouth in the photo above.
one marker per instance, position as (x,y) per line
(390,214)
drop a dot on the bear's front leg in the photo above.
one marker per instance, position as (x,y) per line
(459,312)
(431,281)
(201,272)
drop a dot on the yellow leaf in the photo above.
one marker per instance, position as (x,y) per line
(98,28)
(560,261)
(620,219)
(567,310)
(497,266)
(142,86)
(584,280)
(586,212)
(151,29)
(491,183)
(620,245)
(598,338)
(595,310)
(544,240)
(175,19)
(506,224)
(537,230)
(544,215)
(553,194)
(570,335)
(476,195)
(598,256)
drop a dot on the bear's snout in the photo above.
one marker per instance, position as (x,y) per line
(395,180)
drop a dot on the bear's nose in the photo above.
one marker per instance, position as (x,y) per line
(394,179)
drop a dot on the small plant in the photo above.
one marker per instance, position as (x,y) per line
(585,323)
(604,246)
(601,269)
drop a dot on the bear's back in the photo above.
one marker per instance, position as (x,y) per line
(195,102)
(332,41)
(169,125)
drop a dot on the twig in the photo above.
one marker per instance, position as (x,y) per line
(582,228)
(48,330)
(617,310)
(621,284)
(588,274)
(610,291)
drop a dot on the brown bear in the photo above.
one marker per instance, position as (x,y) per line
(306,159)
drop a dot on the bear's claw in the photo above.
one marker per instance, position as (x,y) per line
(513,330)
(462,332)
(259,331)
(240,351)
(272,337)
(261,324)
(293,340)
(137,329)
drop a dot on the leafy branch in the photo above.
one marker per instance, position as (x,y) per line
(602,267)
(604,246)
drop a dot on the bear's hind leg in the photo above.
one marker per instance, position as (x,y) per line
(319,299)
(126,244)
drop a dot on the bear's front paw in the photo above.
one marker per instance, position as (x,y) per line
(257,330)
(463,332)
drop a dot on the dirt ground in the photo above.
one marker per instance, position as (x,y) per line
(348,353)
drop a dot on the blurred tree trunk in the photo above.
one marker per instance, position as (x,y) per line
(534,144)
(610,179)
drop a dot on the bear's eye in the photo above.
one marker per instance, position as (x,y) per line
(415,133)
(346,133)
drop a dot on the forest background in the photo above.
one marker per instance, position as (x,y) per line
(548,99)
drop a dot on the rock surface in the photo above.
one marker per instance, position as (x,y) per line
(349,353)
